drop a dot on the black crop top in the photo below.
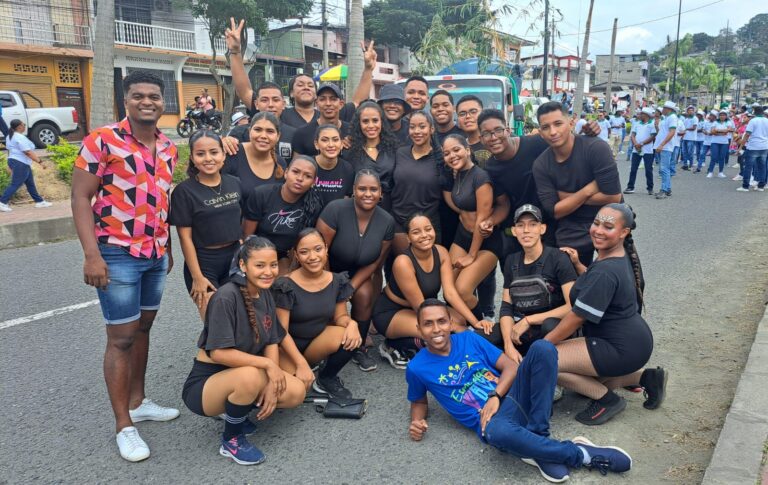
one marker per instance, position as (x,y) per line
(214,216)
(464,186)
(311,311)
(429,283)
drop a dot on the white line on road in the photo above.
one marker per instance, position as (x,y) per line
(48,314)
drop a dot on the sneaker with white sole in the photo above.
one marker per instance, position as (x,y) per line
(710,175)
(737,178)
(131,446)
(241,451)
(721,175)
(604,459)
(394,357)
(151,411)
(43,204)
(363,359)
(552,472)
(5,207)
(742,189)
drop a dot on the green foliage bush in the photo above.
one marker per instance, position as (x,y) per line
(5,172)
(63,156)
(180,171)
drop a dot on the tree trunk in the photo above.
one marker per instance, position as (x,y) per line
(102,110)
(578,98)
(355,61)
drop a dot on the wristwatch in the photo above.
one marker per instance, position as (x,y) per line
(494,394)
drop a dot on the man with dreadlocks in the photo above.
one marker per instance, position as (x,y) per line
(607,300)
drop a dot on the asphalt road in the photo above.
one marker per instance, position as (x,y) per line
(704,255)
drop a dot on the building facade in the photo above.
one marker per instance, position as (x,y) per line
(628,69)
(562,73)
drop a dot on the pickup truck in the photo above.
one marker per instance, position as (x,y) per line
(44,125)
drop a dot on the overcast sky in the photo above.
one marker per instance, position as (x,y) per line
(637,28)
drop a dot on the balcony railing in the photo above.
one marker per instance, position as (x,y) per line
(146,35)
(55,35)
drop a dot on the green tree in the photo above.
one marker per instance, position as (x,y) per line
(216,15)
(701,42)
(412,19)
(755,32)
(690,74)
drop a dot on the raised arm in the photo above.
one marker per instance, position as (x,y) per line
(363,90)
(243,86)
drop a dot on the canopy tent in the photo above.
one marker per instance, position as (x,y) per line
(335,73)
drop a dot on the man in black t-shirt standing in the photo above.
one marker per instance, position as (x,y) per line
(441,108)
(574,177)
(329,102)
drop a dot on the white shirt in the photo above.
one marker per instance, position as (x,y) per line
(617,122)
(605,128)
(706,125)
(680,130)
(17,145)
(643,131)
(579,125)
(691,122)
(758,133)
(666,124)
(718,125)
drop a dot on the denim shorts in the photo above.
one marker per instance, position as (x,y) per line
(135,284)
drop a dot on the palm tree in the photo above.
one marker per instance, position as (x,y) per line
(690,74)
(102,86)
(355,59)
(579,96)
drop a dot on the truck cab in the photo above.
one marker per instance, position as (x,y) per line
(44,125)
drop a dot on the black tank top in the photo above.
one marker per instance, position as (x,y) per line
(429,283)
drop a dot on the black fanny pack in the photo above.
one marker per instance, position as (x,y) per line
(339,408)
(532,294)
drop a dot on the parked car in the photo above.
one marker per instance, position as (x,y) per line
(44,125)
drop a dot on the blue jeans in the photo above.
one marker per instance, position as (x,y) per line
(665,170)
(647,159)
(702,155)
(3,127)
(623,136)
(135,284)
(718,155)
(754,162)
(22,175)
(675,155)
(689,148)
(521,425)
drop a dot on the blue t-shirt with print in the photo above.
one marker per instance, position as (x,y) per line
(460,381)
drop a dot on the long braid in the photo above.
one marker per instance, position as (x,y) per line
(637,269)
(251,313)
(252,243)
(312,204)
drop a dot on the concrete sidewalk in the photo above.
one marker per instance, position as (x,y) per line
(739,452)
(26,225)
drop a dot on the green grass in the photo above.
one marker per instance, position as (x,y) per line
(5,173)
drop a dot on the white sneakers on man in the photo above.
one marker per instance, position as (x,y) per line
(5,207)
(148,410)
(43,204)
(131,446)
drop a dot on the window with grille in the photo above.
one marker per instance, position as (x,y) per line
(69,72)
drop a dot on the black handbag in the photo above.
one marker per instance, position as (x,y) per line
(343,408)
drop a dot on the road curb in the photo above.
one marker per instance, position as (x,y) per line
(739,452)
(39,231)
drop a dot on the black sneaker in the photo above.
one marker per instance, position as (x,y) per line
(604,459)
(650,192)
(331,386)
(629,191)
(655,383)
(363,360)
(597,413)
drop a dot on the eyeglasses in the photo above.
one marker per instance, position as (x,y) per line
(472,112)
(497,133)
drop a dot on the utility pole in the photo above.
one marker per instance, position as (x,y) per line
(325,34)
(609,88)
(677,48)
(722,80)
(578,98)
(545,60)
(554,69)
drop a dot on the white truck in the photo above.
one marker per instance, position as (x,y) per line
(44,125)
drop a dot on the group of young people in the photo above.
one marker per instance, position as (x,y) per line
(293,260)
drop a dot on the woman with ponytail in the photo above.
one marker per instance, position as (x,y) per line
(237,364)
(280,212)
(607,300)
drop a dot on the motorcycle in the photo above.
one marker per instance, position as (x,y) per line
(196,119)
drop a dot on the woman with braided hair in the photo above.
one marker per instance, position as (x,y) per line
(237,364)
(607,301)
(280,212)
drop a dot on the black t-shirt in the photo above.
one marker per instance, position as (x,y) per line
(514,177)
(227,325)
(384,165)
(349,250)
(284,149)
(311,311)
(214,216)
(591,159)
(292,118)
(417,185)
(453,131)
(480,154)
(304,139)
(402,133)
(279,221)
(237,166)
(464,185)
(605,296)
(335,183)
(553,265)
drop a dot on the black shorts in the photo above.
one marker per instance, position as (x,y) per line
(214,264)
(383,312)
(492,243)
(192,394)
(615,359)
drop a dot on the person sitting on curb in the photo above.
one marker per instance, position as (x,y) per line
(506,404)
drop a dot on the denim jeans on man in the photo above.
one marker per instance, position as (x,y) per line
(702,155)
(689,148)
(665,171)
(647,159)
(675,158)
(22,175)
(718,155)
(755,164)
(521,425)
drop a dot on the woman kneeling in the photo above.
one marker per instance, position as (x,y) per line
(237,366)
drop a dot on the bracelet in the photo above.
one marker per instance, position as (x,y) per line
(237,52)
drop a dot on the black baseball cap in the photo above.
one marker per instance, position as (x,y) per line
(333,87)
(528,209)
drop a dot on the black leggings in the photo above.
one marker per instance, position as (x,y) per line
(214,264)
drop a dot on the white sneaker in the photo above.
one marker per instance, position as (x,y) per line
(131,446)
(753,183)
(709,175)
(5,207)
(43,204)
(742,189)
(721,175)
(737,178)
(149,411)
(558,393)
(760,189)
